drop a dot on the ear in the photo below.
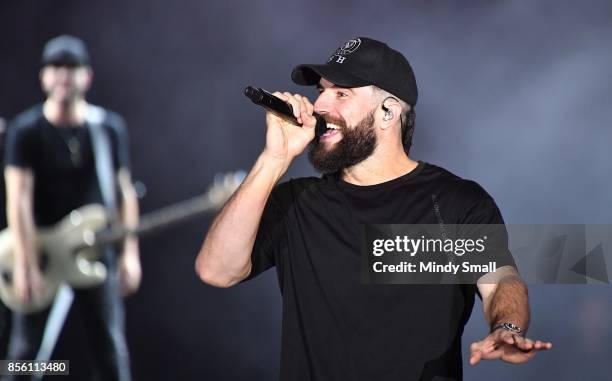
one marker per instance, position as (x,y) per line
(390,112)
(41,74)
(90,76)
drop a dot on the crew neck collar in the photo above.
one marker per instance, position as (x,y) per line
(335,177)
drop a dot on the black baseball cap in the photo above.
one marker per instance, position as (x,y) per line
(65,50)
(363,61)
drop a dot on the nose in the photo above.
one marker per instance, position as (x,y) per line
(62,73)
(323,103)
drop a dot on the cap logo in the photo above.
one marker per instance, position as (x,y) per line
(345,49)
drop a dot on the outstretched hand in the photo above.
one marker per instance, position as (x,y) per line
(507,346)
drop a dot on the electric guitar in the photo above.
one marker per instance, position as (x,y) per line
(68,252)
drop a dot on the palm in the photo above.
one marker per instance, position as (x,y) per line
(504,351)
(507,347)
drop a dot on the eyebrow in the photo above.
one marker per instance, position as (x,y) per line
(319,87)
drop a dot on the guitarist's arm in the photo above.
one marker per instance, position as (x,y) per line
(130,272)
(27,279)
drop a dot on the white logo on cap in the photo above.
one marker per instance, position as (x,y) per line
(345,49)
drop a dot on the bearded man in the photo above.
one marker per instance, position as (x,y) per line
(335,327)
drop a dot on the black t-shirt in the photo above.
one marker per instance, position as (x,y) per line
(334,326)
(63,179)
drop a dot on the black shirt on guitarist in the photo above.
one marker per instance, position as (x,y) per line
(62,161)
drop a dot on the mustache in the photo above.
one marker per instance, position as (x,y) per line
(338,121)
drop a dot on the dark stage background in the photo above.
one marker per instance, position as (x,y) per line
(513,94)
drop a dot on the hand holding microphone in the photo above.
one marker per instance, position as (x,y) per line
(280,106)
(286,111)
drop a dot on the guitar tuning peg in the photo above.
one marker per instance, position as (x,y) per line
(239,176)
(140,188)
(219,178)
(232,180)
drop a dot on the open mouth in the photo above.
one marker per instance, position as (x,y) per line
(332,130)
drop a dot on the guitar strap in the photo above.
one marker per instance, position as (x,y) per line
(103,158)
(101,148)
(55,322)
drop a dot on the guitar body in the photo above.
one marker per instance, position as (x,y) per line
(58,257)
(68,252)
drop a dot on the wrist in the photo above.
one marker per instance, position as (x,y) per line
(510,327)
(273,164)
(130,245)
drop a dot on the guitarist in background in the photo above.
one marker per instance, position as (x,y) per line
(4,312)
(50,170)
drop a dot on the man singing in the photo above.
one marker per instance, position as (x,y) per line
(335,327)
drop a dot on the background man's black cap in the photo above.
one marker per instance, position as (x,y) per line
(360,62)
(65,50)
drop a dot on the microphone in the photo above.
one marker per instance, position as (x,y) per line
(281,109)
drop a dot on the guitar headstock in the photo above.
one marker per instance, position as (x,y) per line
(223,186)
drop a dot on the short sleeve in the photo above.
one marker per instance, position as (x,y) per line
(482,218)
(120,140)
(483,210)
(271,236)
(19,146)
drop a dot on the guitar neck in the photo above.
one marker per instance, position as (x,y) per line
(159,219)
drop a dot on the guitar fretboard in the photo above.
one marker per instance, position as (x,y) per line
(164,217)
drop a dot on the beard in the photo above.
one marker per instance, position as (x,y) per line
(356,145)
(65,94)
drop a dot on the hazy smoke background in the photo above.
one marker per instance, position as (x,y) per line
(513,94)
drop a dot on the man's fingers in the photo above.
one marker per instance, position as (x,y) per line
(301,106)
(510,348)
(308,106)
(475,358)
(307,119)
(519,357)
(509,339)
(477,351)
(541,346)
(523,343)
(488,351)
(475,346)
(280,95)
(526,344)
(476,354)
(485,346)
(295,104)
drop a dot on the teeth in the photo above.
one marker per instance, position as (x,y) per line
(333,126)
